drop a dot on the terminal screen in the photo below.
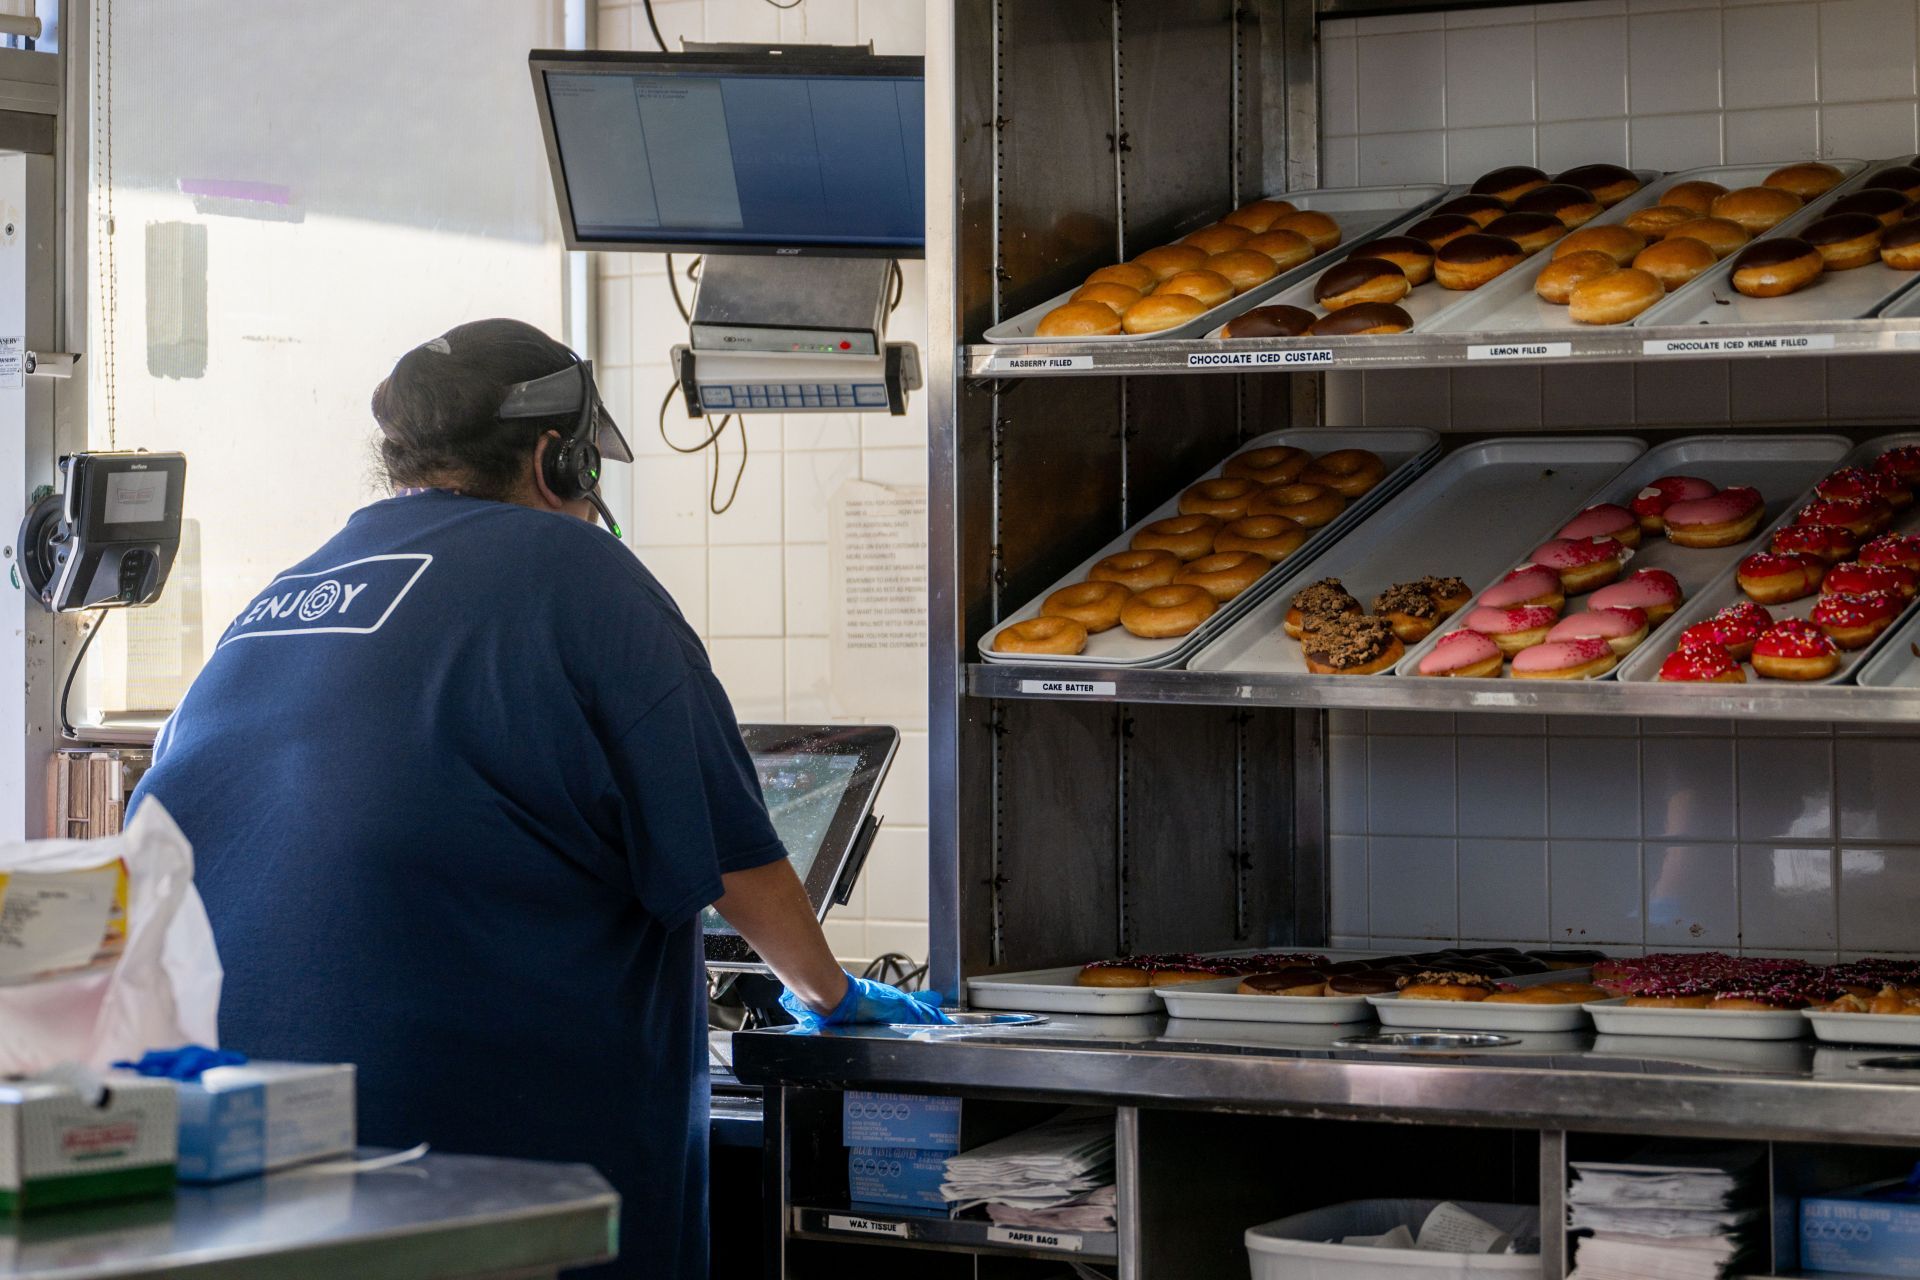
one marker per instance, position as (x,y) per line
(136,497)
(803,792)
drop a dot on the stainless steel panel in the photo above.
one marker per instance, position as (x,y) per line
(1060,480)
(1175,428)
(1175,92)
(1181,855)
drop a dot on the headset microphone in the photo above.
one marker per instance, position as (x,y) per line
(571,469)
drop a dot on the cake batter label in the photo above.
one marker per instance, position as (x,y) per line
(1737,346)
(1024,363)
(1250,359)
(867,1226)
(1520,351)
(1027,1238)
(1071,688)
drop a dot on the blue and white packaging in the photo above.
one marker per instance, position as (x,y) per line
(896,1121)
(1872,1230)
(239,1121)
(896,1176)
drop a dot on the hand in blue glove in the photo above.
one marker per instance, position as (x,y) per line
(868,1001)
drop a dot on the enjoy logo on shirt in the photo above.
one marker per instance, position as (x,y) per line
(355,598)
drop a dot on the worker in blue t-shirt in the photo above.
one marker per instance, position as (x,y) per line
(459,785)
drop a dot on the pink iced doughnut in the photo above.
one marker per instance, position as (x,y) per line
(1565,660)
(1582,564)
(1654,590)
(1651,503)
(1463,653)
(1513,629)
(1529,584)
(1608,520)
(1729,516)
(1621,629)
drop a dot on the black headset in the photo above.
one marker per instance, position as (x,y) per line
(571,469)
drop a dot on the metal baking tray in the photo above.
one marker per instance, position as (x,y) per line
(1406,451)
(1864,1028)
(1510,305)
(1837,295)
(1780,467)
(1430,305)
(1614,1018)
(1644,662)
(1362,212)
(1468,517)
(1468,1015)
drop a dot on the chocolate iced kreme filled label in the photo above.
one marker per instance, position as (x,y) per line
(57,923)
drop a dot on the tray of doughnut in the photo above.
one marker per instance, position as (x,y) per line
(1183,289)
(1878,1003)
(1667,234)
(1842,256)
(1207,555)
(1627,558)
(1819,591)
(1414,277)
(1127,985)
(1712,994)
(1444,999)
(1460,523)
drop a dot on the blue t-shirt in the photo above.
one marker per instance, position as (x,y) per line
(458,785)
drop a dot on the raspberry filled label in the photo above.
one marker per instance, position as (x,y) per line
(1254,359)
(1737,346)
(1024,364)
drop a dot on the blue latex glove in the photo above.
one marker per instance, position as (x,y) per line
(868,1001)
(187,1062)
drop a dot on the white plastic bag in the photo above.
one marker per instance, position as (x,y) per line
(164,989)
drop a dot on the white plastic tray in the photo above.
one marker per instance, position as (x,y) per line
(1220,1002)
(1644,662)
(1406,451)
(1466,1015)
(1614,1017)
(1780,467)
(1362,212)
(1509,304)
(1476,510)
(1896,664)
(1864,1028)
(1055,991)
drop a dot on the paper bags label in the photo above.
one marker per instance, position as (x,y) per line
(1028,1238)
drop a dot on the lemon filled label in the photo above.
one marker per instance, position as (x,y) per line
(61,922)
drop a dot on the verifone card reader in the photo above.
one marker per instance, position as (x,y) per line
(108,540)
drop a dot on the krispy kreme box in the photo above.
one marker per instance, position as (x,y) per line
(57,1148)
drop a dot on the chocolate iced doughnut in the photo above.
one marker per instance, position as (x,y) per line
(1358,280)
(1270,322)
(1367,317)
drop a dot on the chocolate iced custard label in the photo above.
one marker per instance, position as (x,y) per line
(1218,359)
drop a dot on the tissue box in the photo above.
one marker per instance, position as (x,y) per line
(1872,1230)
(898,1121)
(240,1121)
(896,1176)
(58,1149)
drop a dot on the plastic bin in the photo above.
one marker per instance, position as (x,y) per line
(1296,1248)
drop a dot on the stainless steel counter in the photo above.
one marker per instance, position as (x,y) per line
(1780,1090)
(441,1216)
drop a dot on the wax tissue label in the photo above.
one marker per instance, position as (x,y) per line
(1451,1229)
(55,923)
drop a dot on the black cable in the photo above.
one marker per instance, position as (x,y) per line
(657,37)
(790,4)
(708,443)
(713,494)
(79,656)
(899,283)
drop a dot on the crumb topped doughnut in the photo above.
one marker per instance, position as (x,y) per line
(1351,644)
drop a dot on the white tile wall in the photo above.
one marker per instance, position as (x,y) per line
(753,581)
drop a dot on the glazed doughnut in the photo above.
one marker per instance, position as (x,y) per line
(1808,181)
(1161,613)
(1161,311)
(1270,465)
(1862,517)
(1169,260)
(1614,298)
(1604,520)
(1207,287)
(1558,279)
(1108,294)
(1575,206)
(1368,317)
(1348,472)
(1855,621)
(1775,267)
(1357,280)
(1410,609)
(1482,209)
(1136,570)
(1583,565)
(1411,254)
(1901,550)
(1707,665)
(1609,183)
(1513,629)
(1722,235)
(1351,644)
(1846,240)
(1308,505)
(1188,537)
(1258,215)
(1655,591)
(1094,605)
(1617,242)
(1650,504)
(1565,660)
(1107,974)
(1440,228)
(1225,575)
(1078,320)
(1469,261)
(1621,630)
(1048,635)
(1244,269)
(1827,542)
(1674,261)
(1321,231)
(1218,238)
(1223,496)
(1903,178)
(1531,231)
(1528,585)
(1757,209)
(1727,517)
(1288,249)
(1696,195)
(1795,650)
(1316,602)
(1463,653)
(1900,246)
(1270,322)
(1656,222)
(1274,537)
(1887,207)
(1858,579)
(1776,579)
(1130,275)
(1510,183)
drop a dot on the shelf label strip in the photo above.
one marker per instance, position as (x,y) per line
(867,1226)
(1737,346)
(1521,351)
(1252,359)
(1024,364)
(1029,1239)
(1072,688)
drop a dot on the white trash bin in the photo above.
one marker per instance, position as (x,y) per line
(1296,1248)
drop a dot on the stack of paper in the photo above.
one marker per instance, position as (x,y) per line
(1671,1215)
(1059,1174)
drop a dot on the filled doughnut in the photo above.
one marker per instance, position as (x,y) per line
(1565,660)
(1727,517)
(1903,178)
(1614,298)
(1862,517)
(1224,497)
(1348,472)
(1657,221)
(1655,591)
(1268,465)
(1901,550)
(1574,206)
(1308,505)
(1902,462)
(1218,238)
(1529,585)
(1169,260)
(1045,635)
(1828,542)
(1368,317)
(1258,215)
(1469,261)
(1531,231)
(1795,650)
(1363,982)
(1299,981)
(1695,194)
(1807,181)
(1775,579)
(1315,603)
(1136,570)
(1621,630)
(1775,267)
(1650,505)
(1557,280)
(1272,537)
(1188,537)
(1129,275)
(1161,613)
(1860,482)
(1108,294)
(1411,254)
(1706,665)
(1510,183)
(1321,231)
(1584,564)
(1513,629)
(1086,319)
(1209,288)
(1270,322)
(1244,269)
(1617,242)
(1604,520)
(1734,629)
(1858,579)
(1855,621)
(1351,644)
(1609,183)
(1288,249)
(1159,312)
(1900,246)
(1722,235)
(1482,208)
(1094,605)
(1888,207)
(1410,609)
(1757,209)
(1846,240)
(1358,280)
(1441,228)
(1224,575)
(1674,261)
(1463,653)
